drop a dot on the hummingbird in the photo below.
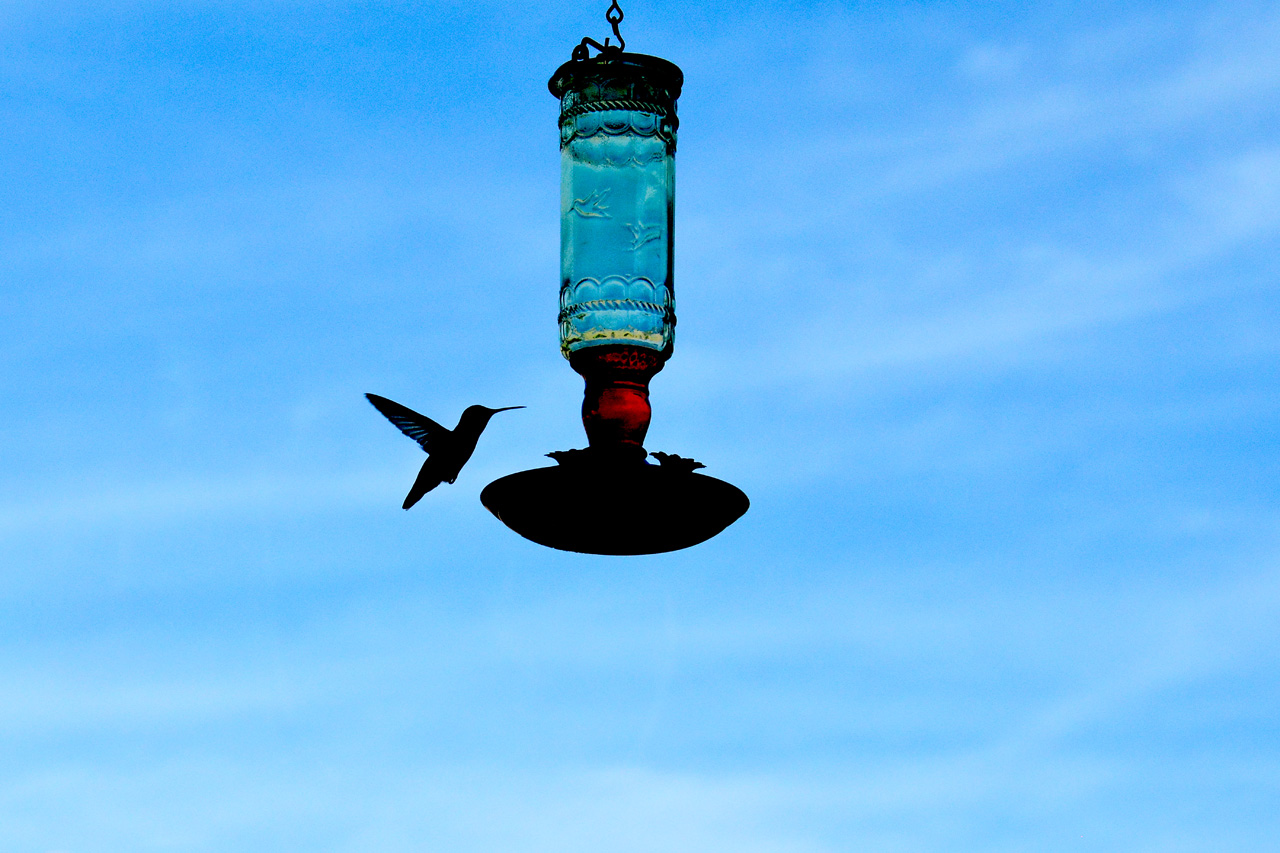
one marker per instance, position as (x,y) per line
(447,449)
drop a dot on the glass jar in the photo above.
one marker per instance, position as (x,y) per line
(617,199)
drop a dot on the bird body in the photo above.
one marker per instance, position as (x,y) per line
(447,449)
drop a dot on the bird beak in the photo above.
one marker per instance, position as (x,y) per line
(506,409)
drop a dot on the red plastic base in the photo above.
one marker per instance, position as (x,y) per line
(607,499)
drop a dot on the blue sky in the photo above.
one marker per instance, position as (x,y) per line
(978,303)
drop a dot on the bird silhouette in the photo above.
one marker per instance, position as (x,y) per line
(447,449)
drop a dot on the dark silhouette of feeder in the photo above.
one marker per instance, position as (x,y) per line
(617,320)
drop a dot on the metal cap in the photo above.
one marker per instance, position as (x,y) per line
(614,69)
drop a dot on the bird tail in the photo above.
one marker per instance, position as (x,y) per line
(428,478)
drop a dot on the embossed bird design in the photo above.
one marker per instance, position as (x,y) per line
(593,206)
(641,234)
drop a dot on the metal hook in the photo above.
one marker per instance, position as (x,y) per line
(614,16)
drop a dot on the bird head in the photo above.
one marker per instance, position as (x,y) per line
(480,414)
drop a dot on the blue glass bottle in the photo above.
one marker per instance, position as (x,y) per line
(617,198)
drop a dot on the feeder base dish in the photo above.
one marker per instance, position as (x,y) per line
(617,508)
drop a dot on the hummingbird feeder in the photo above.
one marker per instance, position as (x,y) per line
(617,319)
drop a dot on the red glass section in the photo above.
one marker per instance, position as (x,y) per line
(615,403)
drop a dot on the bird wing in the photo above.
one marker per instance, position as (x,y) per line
(418,427)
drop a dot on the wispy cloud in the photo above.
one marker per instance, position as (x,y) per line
(1028,759)
(155,503)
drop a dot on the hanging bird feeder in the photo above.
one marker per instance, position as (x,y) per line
(617,319)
